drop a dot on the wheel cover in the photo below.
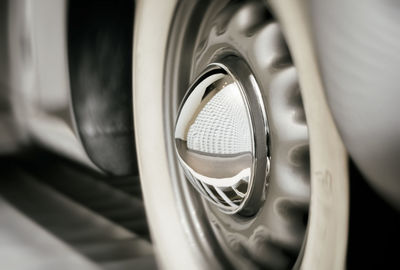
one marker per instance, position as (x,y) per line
(270,232)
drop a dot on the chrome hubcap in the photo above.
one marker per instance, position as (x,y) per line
(221,137)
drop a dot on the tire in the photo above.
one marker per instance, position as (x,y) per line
(183,236)
(70,80)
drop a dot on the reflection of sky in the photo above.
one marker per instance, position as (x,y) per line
(222,126)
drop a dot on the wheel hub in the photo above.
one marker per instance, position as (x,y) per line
(221,137)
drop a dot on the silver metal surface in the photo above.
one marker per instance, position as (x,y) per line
(215,139)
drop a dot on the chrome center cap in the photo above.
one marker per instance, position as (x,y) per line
(215,139)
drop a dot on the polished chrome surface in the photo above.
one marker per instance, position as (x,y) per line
(214,139)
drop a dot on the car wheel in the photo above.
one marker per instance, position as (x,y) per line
(240,162)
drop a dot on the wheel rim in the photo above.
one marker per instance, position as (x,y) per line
(271,236)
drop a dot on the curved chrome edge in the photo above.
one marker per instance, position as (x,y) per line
(239,70)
